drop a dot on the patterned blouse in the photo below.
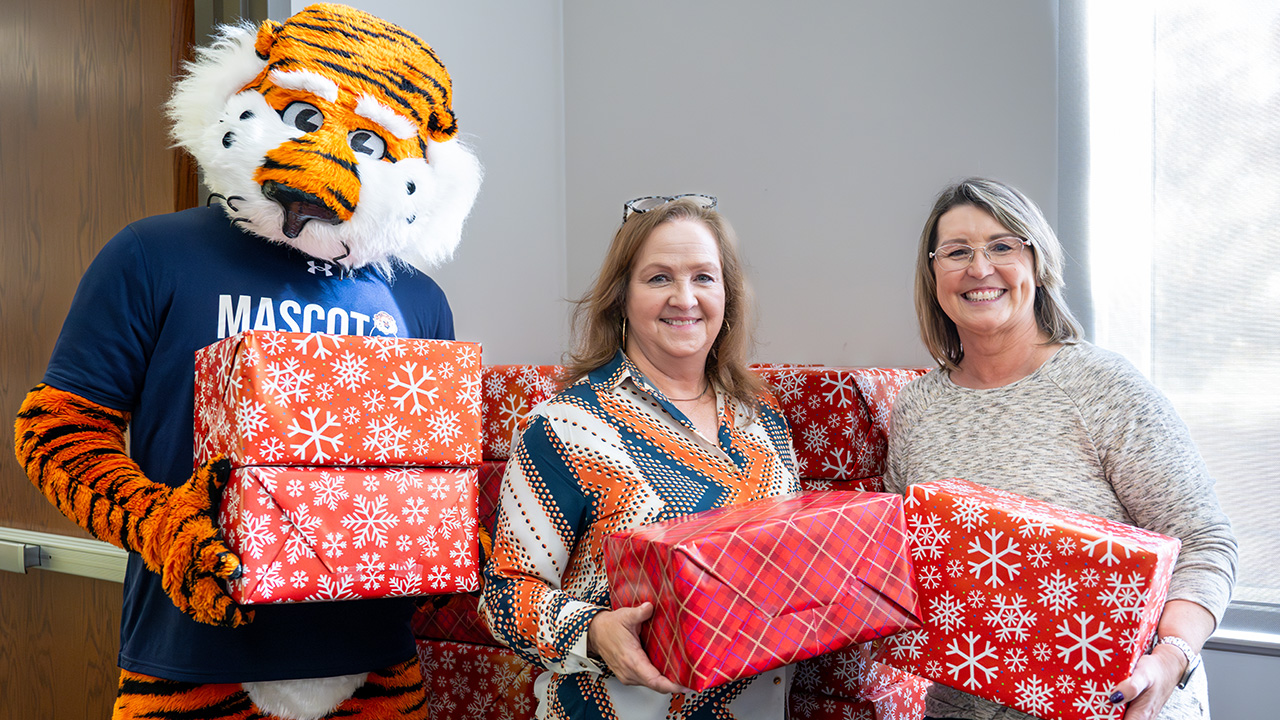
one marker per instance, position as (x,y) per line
(610,453)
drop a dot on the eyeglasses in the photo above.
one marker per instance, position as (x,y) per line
(652,202)
(958,256)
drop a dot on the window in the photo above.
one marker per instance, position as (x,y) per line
(1184,237)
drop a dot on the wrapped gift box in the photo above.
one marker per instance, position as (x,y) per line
(807,706)
(510,392)
(1026,603)
(875,483)
(457,617)
(905,701)
(849,673)
(467,681)
(315,534)
(746,588)
(837,432)
(277,398)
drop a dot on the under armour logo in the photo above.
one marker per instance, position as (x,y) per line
(316,268)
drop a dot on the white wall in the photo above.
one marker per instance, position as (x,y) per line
(507,282)
(825,130)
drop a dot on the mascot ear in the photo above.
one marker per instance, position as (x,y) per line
(458,176)
(218,72)
(267,34)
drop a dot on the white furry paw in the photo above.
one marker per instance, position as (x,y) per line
(306,699)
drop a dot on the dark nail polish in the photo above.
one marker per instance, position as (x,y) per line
(1116,697)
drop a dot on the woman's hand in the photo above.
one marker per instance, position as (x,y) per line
(615,636)
(1152,682)
(1158,672)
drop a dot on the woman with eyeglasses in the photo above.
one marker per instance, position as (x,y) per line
(1022,403)
(660,418)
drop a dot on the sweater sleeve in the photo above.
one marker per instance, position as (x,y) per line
(907,409)
(1159,477)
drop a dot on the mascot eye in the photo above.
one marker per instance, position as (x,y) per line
(304,116)
(367,143)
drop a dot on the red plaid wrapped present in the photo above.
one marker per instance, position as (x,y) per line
(458,616)
(476,681)
(277,398)
(1029,604)
(747,588)
(510,392)
(309,534)
(838,433)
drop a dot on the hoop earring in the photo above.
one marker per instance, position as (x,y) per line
(624,334)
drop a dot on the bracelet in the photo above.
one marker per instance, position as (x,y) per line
(1193,658)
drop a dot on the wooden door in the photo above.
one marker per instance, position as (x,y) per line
(83,151)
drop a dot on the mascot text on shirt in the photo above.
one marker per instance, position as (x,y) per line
(329,141)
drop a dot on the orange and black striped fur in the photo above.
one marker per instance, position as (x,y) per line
(338,138)
(396,692)
(73,450)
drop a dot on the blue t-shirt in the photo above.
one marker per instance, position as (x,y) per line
(161,289)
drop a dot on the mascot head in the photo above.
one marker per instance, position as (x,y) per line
(332,132)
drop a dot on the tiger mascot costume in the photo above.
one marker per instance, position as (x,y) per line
(328,143)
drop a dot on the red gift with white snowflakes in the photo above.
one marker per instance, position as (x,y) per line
(458,616)
(850,673)
(1032,605)
(905,703)
(510,392)
(875,483)
(465,681)
(839,416)
(329,533)
(747,588)
(310,399)
(808,706)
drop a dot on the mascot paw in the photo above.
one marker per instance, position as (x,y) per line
(194,563)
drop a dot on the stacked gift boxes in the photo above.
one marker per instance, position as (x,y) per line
(354,462)
(839,421)
(848,408)
(839,418)
(454,643)
(1032,605)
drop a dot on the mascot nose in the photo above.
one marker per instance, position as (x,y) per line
(299,207)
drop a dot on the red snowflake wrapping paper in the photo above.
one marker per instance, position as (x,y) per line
(747,588)
(905,703)
(807,706)
(510,392)
(851,673)
(1032,605)
(319,534)
(875,483)
(467,682)
(457,617)
(839,417)
(278,398)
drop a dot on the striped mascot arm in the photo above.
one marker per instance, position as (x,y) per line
(73,450)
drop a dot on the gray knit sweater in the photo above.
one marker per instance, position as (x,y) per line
(1088,431)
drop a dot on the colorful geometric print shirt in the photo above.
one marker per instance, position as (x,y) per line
(610,453)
